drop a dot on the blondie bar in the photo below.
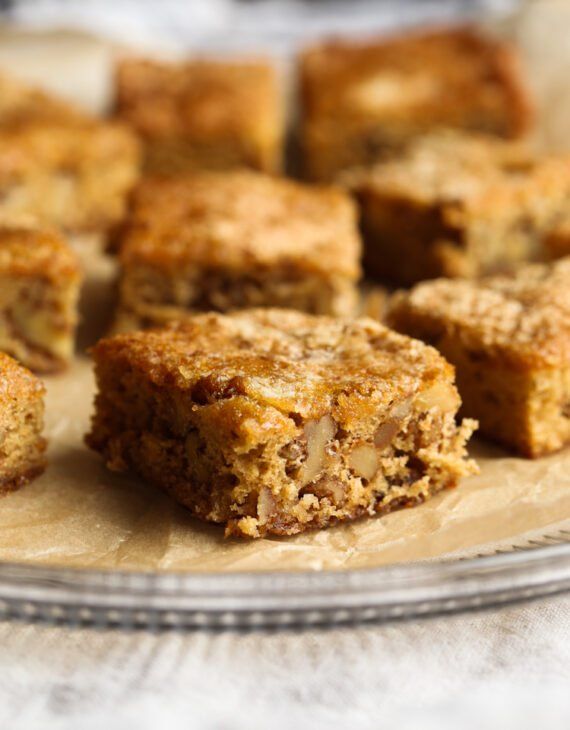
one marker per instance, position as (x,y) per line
(274,421)
(362,100)
(22,447)
(203,114)
(509,339)
(458,205)
(75,177)
(39,288)
(232,240)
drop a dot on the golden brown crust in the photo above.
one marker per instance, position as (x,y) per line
(523,319)
(275,422)
(37,252)
(286,360)
(204,102)
(458,204)
(22,456)
(465,174)
(16,380)
(240,220)
(478,75)
(57,146)
(366,99)
(40,276)
(75,177)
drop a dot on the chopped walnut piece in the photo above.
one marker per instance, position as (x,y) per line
(266,505)
(363,460)
(318,434)
(440,395)
(385,433)
(294,449)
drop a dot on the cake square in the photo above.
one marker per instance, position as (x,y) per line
(72,176)
(203,114)
(458,205)
(22,447)
(364,99)
(509,339)
(39,288)
(274,421)
(232,240)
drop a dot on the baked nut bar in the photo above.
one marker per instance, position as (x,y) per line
(458,205)
(22,447)
(362,100)
(39,288)
(274,421)
(232,240)
(203,114)
(75,177)
(509,339)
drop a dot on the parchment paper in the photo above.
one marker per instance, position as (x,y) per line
(80,514)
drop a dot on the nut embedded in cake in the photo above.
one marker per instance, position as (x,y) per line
(58,164)
(40,278)
(275,422)
(74,177)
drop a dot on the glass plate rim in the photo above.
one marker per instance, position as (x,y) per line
(240,600)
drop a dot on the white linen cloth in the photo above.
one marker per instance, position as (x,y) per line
(507,669)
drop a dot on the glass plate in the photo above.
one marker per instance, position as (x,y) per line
(278,599)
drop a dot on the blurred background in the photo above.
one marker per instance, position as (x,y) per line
(181,23)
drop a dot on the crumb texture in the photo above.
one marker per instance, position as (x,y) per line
(275,422)
(212,241)
(203,114)
(22,447)
(40,278)
(368,99)
(460,205)
(508,338)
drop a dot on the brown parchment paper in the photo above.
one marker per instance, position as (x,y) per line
(79,514)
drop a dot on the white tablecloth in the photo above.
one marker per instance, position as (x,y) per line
(507,669)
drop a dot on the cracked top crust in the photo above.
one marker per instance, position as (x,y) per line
(451,76)
(37,253)
(201,99)
(17,381)
(287,363)
(239,220)
(523,318)
(461,170)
